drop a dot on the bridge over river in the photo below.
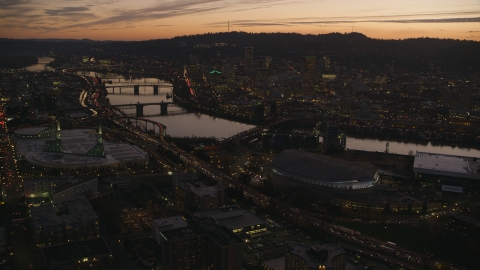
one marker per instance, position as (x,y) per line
(163,106)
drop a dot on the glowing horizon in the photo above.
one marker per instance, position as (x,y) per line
(154,19)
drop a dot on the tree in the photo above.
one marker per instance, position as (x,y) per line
(387,208)
(244,178)
(424,207)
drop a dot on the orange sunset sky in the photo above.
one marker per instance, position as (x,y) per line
(154,19)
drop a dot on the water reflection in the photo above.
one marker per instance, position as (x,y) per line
(40,66)
(408,148)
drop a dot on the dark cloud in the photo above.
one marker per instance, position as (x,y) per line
(170,9)
(38,28)
(354,19)
(66,11)
(13,4)
(443,20)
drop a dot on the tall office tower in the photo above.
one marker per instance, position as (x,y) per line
(309,73)
(248,60)
(326,64)
(333,138)
(268,61)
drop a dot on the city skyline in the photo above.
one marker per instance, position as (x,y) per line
(127,20)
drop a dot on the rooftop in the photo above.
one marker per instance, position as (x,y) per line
(200,189)
(170,223)
(78,207)
(312,255)
(232,217)
(189,231)
(71,183)
(30,131)
(465,219)
(277,264)
(447,165)
(224,237)
(76,251)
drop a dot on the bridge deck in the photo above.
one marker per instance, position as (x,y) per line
(133,85)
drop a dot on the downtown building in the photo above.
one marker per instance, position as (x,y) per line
(197,244)
(196,196)
(59,189)
(79,222)
(317,257)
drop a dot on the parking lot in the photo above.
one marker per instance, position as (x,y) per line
(134,219)
(433,215)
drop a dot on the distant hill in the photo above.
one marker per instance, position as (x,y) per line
(351,47)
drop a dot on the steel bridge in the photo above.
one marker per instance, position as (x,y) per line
(136,88)
(163,107)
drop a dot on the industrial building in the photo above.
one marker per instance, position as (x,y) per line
(448,170)
(240,221)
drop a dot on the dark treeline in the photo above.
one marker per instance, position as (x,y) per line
(351,47)
(19,61)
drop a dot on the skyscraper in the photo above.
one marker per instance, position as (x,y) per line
(309,73)
(326,64)
(248,60)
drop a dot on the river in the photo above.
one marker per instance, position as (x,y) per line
(179,125)
(41,64)
(201,125)
(408,148)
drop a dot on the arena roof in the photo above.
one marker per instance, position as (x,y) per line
(447,165)
(30,131)
(322,168)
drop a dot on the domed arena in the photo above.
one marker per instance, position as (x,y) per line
(296,169)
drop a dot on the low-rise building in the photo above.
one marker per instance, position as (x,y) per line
(79,222)
(464,226)
(79,254)
(237,220)
(63,185)
(327,257)
(3,239)
(74,188)
(277,264)
(121,181)
(196,196)
(197,244)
